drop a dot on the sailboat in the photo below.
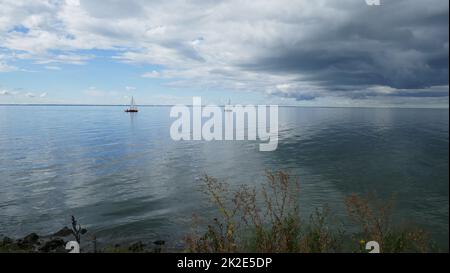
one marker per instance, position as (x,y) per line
(227,107)
(132,108)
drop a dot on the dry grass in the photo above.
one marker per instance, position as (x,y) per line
(373,218)
(268,221)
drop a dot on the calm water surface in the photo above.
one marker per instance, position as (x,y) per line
(125,179)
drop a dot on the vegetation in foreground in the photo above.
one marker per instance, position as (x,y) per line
(268,221)
(262,221)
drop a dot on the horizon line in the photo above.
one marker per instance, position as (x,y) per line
(170,105)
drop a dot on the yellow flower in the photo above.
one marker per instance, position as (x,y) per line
(362,242)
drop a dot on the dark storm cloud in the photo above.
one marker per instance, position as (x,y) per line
(336,51)
(402,44)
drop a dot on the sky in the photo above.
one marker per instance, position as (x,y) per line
(309,53)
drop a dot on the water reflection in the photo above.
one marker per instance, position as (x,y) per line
(122,175)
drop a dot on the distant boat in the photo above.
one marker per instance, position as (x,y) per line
(227,109)
(132,108)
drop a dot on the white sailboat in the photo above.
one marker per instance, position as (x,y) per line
(133,108)
(228,107)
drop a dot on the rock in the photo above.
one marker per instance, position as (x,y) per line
(159,242)
(54,245)
(7,241)
(159,245)
(28,242)
(64,232)
(30,239)
(137,247)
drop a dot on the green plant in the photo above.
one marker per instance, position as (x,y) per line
(268,221)
(373,218)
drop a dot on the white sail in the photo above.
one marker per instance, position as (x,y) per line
(228,107)
(132,107)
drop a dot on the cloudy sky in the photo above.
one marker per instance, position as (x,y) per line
(296,52)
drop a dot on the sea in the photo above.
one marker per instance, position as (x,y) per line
(125,179)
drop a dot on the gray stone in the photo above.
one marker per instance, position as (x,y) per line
(54,245)
(64,232)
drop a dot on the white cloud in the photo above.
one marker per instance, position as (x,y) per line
(200,33)
(30,95)
(4,67)
(153,74)
(228,45)
(52,67)
(63,59)
(94,92)
(43,95)
(5,93)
